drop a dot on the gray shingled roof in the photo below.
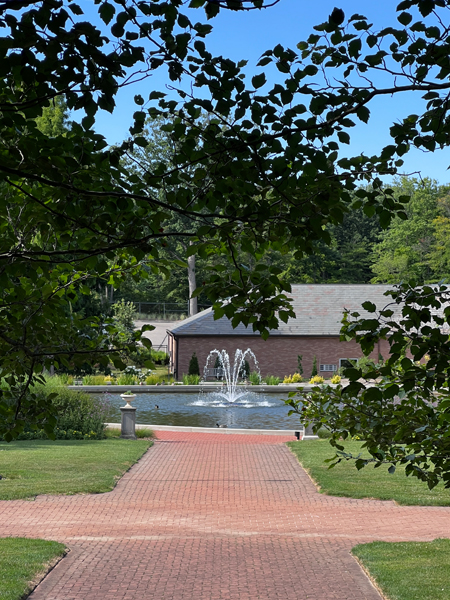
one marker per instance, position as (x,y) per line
(318,310)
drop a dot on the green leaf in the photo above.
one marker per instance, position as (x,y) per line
(76,9)
(343,137)
(404,18)
(363,114)
(211,9)
(258,80)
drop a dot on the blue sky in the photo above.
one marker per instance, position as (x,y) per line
(247,35)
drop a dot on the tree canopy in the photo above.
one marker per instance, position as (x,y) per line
(266,171)
(399,407)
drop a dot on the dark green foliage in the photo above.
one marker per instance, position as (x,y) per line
(218,365)
(86,219)
(314,371)
(323,433)
(299,364)
(244,373)
(337,16)
(147,357)
(78,415)
(404,413)
(160,357)
(194,369)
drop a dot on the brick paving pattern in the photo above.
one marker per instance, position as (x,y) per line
(214,517)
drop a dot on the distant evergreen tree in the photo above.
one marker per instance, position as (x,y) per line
(194,369)
(244,373)
(314,368)
(299,364)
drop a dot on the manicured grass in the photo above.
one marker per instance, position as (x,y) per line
(408,570)
(21,561)
(35,467)
(345,480)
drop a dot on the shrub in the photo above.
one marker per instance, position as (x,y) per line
(112,432)
(144,433)
(156,378)
(124,315)
(316,379)
(299,364)
(127,379)
(93,380)
(65,379)
(295,378)
(336,379)
(143,356)
(193,369)
(271,380)
(191,379)
(160,357)
(314,371)
(366,365)
(324,433)
(79,415)
(244,372)
(254,378)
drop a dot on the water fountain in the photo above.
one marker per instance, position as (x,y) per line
(230,390)
(232,405)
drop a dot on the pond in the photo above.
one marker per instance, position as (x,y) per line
(253,411)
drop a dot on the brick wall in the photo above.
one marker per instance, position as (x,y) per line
(277,355)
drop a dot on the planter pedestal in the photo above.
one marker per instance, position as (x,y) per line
(308,431)
(128,424)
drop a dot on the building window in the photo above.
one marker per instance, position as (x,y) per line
(328,368)
(347,362)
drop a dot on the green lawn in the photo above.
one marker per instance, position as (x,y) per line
(23,560)
(345,480)
(409,570)
(403,571)
(35,467)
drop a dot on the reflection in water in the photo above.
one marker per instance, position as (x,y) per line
(254,411)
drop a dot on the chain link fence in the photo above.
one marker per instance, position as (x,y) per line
(164,311)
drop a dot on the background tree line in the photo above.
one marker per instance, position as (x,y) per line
(359,249)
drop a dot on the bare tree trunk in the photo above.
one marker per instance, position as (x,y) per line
(193,310)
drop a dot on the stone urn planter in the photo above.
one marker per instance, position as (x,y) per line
(128,398)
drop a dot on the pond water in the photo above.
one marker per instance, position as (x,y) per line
(253,411)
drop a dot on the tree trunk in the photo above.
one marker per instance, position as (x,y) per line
(193,310)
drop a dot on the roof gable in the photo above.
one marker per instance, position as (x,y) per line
(318,307)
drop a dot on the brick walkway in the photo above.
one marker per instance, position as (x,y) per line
(214,517)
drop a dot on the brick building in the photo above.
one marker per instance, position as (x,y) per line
(314,332)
